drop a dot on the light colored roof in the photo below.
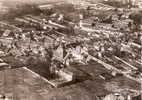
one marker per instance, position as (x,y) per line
(3,64)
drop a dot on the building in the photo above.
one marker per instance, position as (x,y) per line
(45,7)
(138,3)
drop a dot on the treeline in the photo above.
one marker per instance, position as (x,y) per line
(20,10)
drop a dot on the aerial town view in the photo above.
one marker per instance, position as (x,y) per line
(70,49)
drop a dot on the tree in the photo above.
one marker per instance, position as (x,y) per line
(137,19)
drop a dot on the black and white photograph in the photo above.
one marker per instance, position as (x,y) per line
(70,49)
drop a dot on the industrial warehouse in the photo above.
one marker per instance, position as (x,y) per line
(77,50)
